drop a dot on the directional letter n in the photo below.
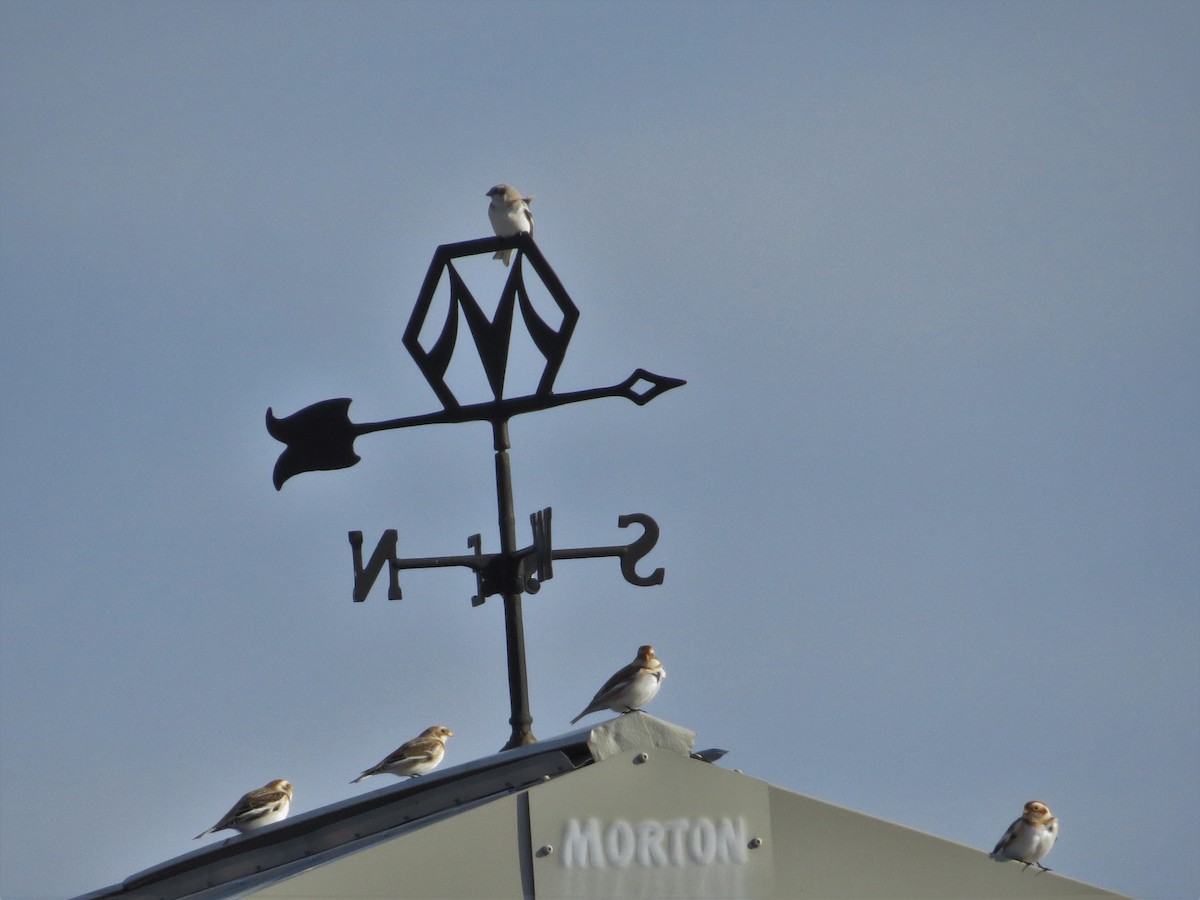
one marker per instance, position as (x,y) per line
(385,554)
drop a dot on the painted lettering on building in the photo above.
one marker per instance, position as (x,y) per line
(619,844)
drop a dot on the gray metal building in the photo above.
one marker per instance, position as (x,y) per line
(619,810)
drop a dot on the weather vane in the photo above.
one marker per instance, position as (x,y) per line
(321,437)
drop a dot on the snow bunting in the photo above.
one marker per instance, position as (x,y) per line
(416,757)
(631,688)
(1030,837)
(270,803)
(510,215)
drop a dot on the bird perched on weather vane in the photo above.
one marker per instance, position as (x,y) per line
(510,215)
(631,688)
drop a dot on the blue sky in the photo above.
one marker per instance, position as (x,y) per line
(930,502)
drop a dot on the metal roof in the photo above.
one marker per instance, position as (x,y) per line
(622,809)
(241,863)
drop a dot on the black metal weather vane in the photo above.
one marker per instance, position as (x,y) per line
(321,437)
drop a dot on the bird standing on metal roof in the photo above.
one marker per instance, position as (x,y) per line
(416,757)
(269,803)
(632,687)
(1030,837)
(510,216)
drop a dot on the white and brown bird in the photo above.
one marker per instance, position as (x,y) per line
(1029,838)
(631,688)
(416,757)
(510,215)
(269,803)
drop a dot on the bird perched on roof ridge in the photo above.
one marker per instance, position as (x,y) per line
(1029,838)
(412,758)
(509,214)
(632,687)
(269,803)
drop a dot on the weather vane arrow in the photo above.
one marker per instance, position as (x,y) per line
(321,437)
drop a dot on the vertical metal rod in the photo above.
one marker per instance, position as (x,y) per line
(514,626)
